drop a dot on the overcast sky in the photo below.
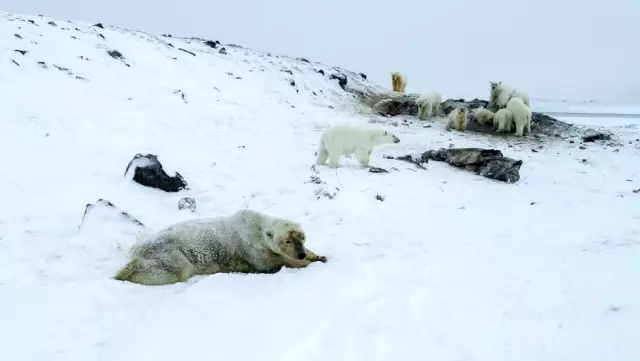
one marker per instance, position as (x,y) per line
(560,49)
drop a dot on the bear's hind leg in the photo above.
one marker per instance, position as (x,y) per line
(519,127)
(155,272)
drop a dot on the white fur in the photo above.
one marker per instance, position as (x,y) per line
(458,119)
(429,105)
(522,95)
(483,116)
(398,82)
(521,115)
(342,140)
(503,120)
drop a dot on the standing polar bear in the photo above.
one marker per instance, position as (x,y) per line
(501,93)
(398,82)
(503,120)
(483,116)
(429,105)
(521,115)
(245,242)
(340,140)
(458,119)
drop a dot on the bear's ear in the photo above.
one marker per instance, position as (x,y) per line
(385,133)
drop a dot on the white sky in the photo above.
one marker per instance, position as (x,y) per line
(559,49)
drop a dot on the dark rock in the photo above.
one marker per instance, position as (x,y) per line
(115,54)
(292,83)
(187,51)
(223,51)
(103,205)
(397,106)
(99,25)
(187,203)
(33,22)
(211,44)
(377,170)
(342,79)
(489,163)
(42,64)
(363,75)
(15,62)
(60,68)
(380,197)
(636,190)
(591,135)
(320,71)
(304,60)
(167,35)
(102,36)
(17,36)
(148,172)
(582,147)
(450,104)
(182,95)
(287,71)
(23,52)
(52,23)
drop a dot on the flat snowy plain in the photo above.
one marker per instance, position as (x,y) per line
(450,266)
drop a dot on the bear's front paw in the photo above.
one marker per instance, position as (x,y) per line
(322,259)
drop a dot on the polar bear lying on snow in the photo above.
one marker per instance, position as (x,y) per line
(429,105)
(245,242)
(340,140)
(501,93)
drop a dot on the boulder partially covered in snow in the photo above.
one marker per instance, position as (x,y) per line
(148,171)
(187,203)
(591,135)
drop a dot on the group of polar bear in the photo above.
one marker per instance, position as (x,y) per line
(507,106)
(253,242)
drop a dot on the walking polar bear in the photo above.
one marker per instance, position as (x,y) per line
(521,115)
(398,82)
(245,242)
(501,93)
(458,119)
(340,140)
(429,105)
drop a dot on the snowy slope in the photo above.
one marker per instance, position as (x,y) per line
(450,266)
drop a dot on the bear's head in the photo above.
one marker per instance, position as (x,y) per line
(287,238)
(384,137)
(494,85)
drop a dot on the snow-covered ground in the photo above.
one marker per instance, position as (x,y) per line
(450,266)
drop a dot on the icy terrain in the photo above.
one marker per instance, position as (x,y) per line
(449,266)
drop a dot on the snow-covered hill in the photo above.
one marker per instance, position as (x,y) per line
(447,266)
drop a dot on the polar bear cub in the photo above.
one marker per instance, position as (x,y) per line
(340,140)
(502,120)
(429,105)
(458,119)
(483,116)
(398,82)
(521,115)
